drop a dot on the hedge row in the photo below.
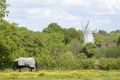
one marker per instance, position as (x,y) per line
(75,64)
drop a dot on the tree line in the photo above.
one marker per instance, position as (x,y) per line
(55,46)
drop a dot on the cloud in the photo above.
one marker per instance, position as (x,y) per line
(112,4)
(107,7)
(75,2)
(37,14)
(50,2)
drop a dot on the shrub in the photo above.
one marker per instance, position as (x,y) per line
(109,63)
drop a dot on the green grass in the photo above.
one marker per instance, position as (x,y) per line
(61,75)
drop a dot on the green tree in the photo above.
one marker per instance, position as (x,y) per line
(89,49)
(113,36)
(53,27)
(67,61)
(98,39)
(71,33)
(118,42)
(3,11)
(102,32)
(55,44)
(75,47)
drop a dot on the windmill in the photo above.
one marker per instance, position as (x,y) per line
(88,34)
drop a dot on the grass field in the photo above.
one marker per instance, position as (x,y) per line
(61,75)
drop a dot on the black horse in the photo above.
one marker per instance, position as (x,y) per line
(19,63)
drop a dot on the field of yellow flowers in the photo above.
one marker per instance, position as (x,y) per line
(61,75)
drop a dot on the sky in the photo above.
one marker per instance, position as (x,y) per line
(38,14)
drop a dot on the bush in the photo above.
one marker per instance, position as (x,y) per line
(89,49)
(67,61)
(108,52)
(109,63)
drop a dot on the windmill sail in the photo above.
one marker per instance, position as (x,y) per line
(88,35)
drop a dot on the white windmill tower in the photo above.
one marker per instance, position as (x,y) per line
(88,34)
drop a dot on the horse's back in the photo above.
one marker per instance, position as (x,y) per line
(30,62)
(26,61)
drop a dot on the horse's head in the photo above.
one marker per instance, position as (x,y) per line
(15,64)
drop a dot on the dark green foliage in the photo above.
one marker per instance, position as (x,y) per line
(89,49)
(102,32)
(7,45)
(118,42)
(71,33)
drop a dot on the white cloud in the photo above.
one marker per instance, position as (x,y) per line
(47,13)
(39,13)
(76,2)
(108,7)
(112,4)
(34,11)
(66,17)
(50,2)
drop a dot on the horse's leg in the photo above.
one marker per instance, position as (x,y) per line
(19,69)
(30,69)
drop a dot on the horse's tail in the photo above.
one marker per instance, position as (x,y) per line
(36,65)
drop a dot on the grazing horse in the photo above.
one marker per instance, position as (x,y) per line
(19,63)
